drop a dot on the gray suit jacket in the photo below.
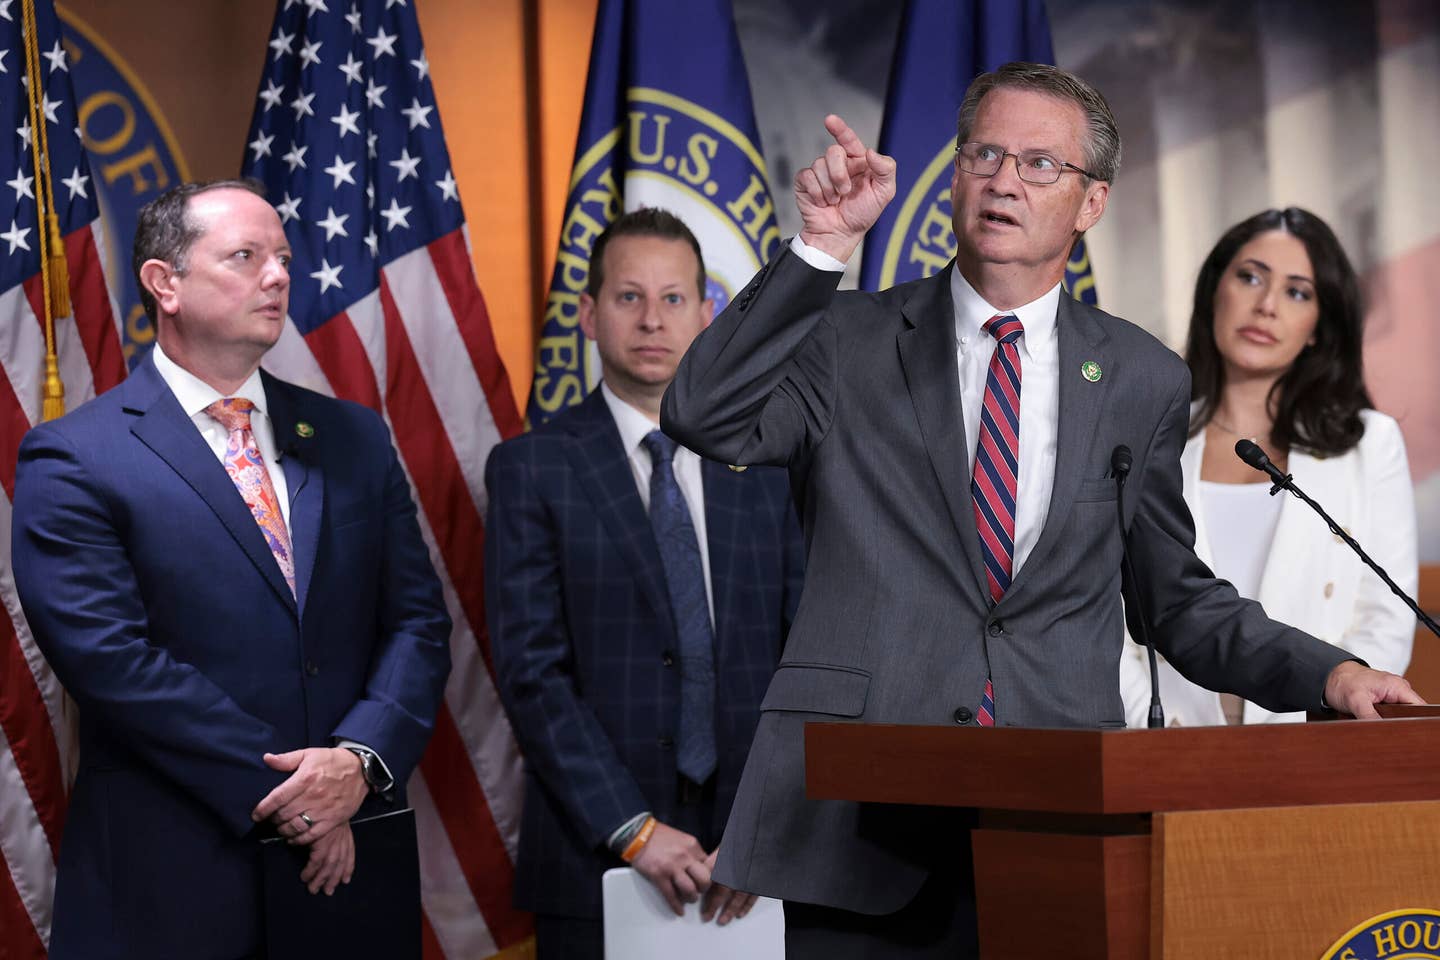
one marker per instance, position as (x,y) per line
(858,394)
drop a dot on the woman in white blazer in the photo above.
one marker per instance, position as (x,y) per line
(1275,356)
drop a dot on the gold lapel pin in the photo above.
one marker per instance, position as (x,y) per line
(303,429)
(1090,370)
(738,469)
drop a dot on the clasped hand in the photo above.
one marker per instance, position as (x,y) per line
(313,807)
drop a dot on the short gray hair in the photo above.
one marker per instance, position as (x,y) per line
(166,231)
(1102,140)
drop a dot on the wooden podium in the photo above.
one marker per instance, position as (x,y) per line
(1253,841)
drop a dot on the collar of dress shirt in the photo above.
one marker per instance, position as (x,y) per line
(195,394)
(632,424)
(1037,316)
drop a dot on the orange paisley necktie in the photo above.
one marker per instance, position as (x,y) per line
(247,470)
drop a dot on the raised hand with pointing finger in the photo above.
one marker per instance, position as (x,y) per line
(841,194)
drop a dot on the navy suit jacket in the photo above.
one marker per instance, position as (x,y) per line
(584,641)
(153,594)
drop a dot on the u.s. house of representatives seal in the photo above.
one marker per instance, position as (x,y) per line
(1409,934)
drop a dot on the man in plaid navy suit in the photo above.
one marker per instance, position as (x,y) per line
(637,600)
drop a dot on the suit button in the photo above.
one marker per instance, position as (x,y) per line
(963,715)
(311,670)
(666,743)
(996,628)
(668,658)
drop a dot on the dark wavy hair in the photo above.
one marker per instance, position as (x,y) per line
(1317,402)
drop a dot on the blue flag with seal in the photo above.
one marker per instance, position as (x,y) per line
(667,123)
(914,237)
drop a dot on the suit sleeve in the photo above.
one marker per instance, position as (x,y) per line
(1382,629)
(396,715)
(758,385)
(1212,635)
(83,604)
(562,740)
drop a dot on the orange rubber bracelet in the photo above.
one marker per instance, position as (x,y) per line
(641,838)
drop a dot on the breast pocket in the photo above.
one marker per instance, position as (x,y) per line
(1093,490)
(818,688)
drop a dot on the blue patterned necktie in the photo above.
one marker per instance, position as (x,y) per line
(685,579)
(997,467)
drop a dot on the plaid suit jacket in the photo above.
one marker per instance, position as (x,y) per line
(583,639)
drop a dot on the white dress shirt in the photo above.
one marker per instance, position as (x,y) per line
(195,395)
(1039,389)
(634,426)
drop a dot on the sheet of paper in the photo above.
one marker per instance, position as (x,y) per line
(639,925)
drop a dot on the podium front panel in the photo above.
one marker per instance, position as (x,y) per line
(1285,882)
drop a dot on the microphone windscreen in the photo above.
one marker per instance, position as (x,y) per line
(1250,452)
(1120,460)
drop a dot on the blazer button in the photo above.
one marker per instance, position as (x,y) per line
(666,743)
(668,658)
(311,670)
(996,628)
(963,715)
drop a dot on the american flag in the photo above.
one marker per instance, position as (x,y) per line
(385,310)
(37,751)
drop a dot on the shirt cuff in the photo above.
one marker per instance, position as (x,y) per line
(814,256)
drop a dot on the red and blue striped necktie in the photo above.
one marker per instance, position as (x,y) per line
(997,465)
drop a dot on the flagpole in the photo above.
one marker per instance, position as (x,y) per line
(54,273)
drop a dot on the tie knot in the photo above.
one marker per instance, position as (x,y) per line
(232,412)
(661,447)
(1005,328)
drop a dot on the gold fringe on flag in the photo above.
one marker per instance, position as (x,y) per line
(55,273)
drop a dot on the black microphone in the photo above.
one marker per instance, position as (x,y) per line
(1120,463)
(1251,453)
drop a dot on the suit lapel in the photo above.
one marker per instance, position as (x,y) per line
(603,469)
(304,479)
(1081,339)
(927,354)
(162,426)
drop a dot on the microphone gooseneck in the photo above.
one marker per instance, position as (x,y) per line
(1252,454)
(1120,463)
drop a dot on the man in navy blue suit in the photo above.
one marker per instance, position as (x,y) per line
(226,573)
(637,599)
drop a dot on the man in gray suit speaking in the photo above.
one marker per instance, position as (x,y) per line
(950,441)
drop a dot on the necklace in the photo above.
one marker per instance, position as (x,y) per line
(1216,421)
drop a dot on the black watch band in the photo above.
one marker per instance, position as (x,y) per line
(369,768)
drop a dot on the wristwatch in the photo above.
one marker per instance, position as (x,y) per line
(371,770)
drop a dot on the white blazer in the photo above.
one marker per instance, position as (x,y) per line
(1311,579)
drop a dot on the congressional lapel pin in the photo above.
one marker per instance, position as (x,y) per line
(1090,370)
(738,469)
(304,430)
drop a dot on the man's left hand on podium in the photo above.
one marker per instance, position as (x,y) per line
(1355,689)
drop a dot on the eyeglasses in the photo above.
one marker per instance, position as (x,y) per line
(1033,166)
